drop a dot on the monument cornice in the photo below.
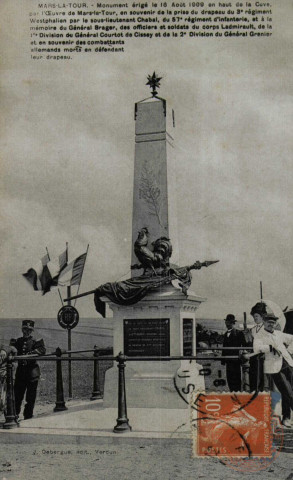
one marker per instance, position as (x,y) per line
(160,302)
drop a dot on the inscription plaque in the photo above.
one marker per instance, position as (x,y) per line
(187,337)
(147,337)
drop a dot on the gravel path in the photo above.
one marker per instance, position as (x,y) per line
(42,459)
(160,461)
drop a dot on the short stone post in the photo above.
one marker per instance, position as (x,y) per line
(96,394)
(122,424)
(10,415)
(60,403)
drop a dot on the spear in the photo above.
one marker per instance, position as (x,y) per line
(207,263)
(197,265)
(91,292)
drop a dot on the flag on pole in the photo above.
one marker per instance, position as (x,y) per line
(49,276)
(33,274)
(72,274)
(44,274)
(63,259)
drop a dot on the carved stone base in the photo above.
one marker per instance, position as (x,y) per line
(152,384)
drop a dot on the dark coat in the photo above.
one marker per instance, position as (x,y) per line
(235,339)
(29,346)
(233,366)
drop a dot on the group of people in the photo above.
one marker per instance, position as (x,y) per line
(270,360)
(271,363)
(28,371)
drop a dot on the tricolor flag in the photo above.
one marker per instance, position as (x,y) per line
(49,276)
(72,274)
(33,274)
(63,259)
(44,274)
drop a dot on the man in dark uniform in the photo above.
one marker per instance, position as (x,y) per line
(232,338)
(28,371)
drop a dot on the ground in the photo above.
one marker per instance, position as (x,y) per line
(122,459)
(163,461)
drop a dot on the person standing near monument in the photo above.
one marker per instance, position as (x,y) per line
(256,373)
(278,363)
(232,338)
(28,371)
(5,351)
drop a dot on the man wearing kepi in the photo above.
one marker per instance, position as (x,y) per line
(232,338)
(278,362)
(28,371)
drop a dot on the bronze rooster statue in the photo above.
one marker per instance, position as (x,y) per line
(157,258)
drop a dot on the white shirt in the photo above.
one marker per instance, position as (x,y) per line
(265,341)
(255,329)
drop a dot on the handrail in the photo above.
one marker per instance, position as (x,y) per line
(59,356)
(224,348)
(128,359)
(65,352)
(43,358)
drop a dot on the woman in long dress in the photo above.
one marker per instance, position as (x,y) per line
(256,374)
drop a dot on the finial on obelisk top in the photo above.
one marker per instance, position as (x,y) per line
(154,82)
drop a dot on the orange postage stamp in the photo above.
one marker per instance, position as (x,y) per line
(231,425)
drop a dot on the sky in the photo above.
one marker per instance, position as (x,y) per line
(67,161)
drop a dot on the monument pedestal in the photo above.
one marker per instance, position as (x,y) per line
(162,324)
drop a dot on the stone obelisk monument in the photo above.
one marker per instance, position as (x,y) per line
(154,194)
(163,322)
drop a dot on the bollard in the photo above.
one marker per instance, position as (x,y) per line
(10,416)
(60,403)
(122,424)
(96,394)
(245,373)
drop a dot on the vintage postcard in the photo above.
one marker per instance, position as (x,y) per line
(146,324)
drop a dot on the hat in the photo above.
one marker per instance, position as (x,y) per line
(28,324)
(270,316)
(259,308)
(230,317)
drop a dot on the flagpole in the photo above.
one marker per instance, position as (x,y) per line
(58,288)
(81,273)
(244,321)
(60,296)
(69,336)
